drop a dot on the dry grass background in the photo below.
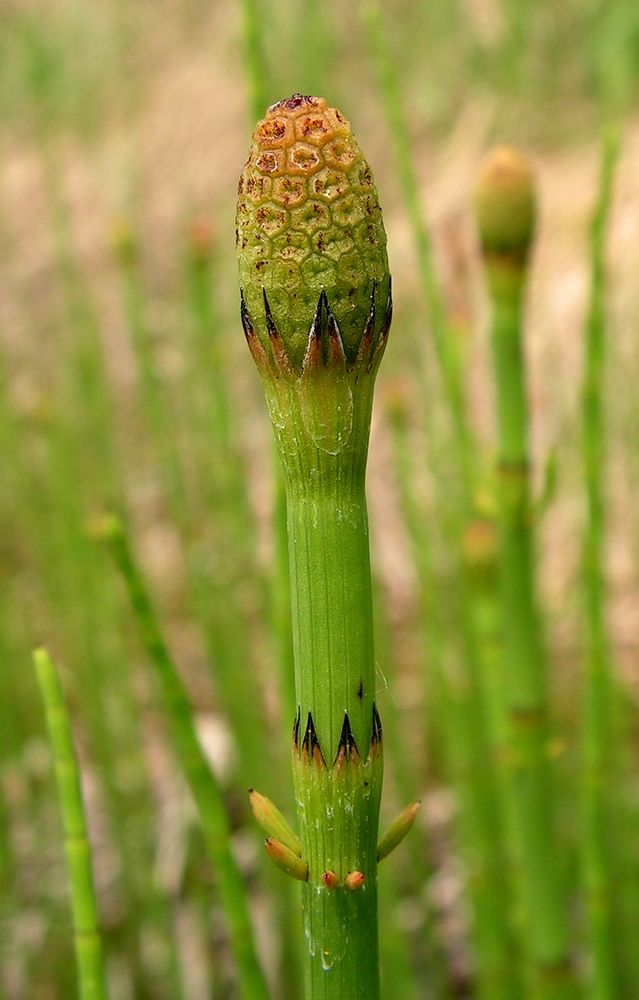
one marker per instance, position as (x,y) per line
(162,153)
(144,127)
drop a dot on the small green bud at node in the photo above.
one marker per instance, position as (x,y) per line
(505,204)
(284,858)
(272,822)
(309,227)
(397,831)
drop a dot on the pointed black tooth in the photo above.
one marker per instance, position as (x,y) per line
(316,326)
(333,328)
(310,743)
(376,736)
(336,344)
(296,729)
(366,342)
(347,744)
(388,316)
(247,323)
(310,740)
(331,322)
(270,322)
(383,334)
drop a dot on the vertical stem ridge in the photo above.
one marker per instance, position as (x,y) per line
(596,739)
(86,924)
(531,796)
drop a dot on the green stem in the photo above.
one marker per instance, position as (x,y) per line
(332,608)
(462,722)
(530,785)
(483,806)
(254,57)
(446,346)
(596,758)
(322,422)
(204,787)
(338,787)
(88,943)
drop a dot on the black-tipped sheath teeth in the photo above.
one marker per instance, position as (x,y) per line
(296,729)
(315,332)
(347,745)
(310,743)
(334,335)
(270,322)
(388,315)
(247,324)
(376,736)
(369,329)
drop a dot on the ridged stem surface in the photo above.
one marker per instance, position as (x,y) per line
(332,609)
(597,694)
(321,420)
(337,787)
(86,926)
(446,346)
(494,938)
(530,785)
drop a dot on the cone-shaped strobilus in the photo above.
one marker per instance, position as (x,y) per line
(316,310)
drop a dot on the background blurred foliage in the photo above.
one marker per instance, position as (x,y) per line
(124,383)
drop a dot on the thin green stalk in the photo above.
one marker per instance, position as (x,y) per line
(506,209)
(420,952)
(255,57)
(498,972)
(317,60)
(468,736)
(462,713)
(86,924)
(545,904)
(446,347)
(597,728)
(155,400)
(457,712)
(79,472)
(204,787)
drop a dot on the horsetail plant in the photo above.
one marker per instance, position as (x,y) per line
(316,311)
(505,205)
(88,942)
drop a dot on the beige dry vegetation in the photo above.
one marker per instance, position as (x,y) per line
(166,150)
(156,151)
